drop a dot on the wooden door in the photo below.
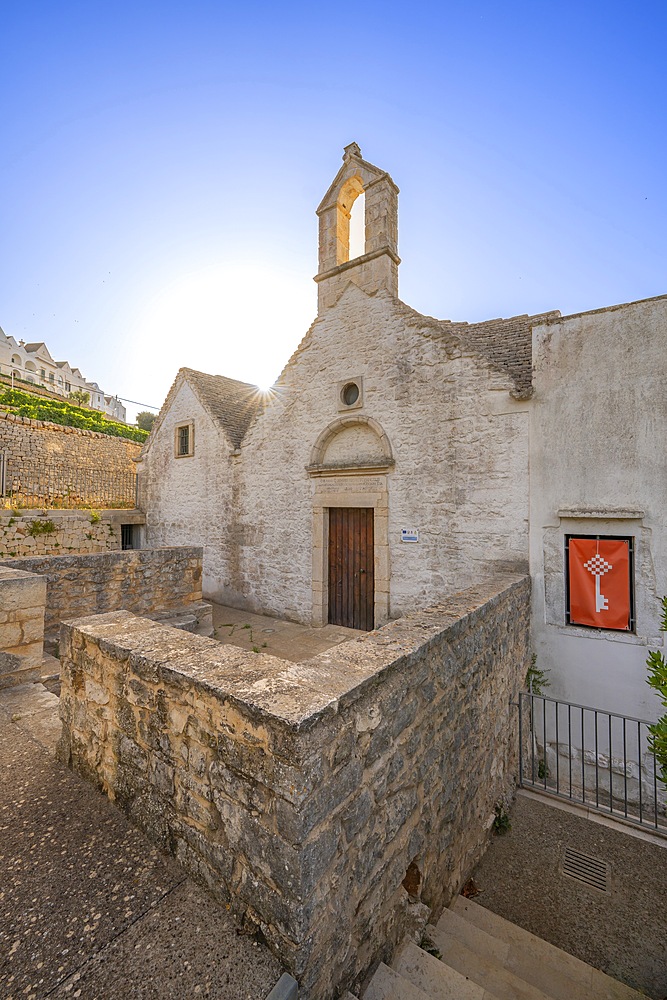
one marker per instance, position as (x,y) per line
(351,567)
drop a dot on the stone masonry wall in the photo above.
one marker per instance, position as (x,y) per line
(27,441)
(300,793)
(60,532)
(141,580)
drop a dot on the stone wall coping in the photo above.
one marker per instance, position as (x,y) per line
(112,556)
(293,695)
(12,573)
(117,515)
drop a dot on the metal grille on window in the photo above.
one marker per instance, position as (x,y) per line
(183,440)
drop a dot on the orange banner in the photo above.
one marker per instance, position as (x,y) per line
(600,582)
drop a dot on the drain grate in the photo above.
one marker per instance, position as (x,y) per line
(591,871)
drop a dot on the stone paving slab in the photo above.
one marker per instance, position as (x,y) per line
(184,947)
(622,932)
(34,710)
(77,878)
(287,640)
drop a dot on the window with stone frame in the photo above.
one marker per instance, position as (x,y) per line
(184,440)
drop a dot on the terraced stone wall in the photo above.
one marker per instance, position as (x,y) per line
(330,803)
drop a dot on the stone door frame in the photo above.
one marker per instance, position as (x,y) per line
(350,491)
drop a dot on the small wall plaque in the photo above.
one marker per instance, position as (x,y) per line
(409,535)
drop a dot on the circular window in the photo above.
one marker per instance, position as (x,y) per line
(350,393)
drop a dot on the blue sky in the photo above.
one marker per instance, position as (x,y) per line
(162,163)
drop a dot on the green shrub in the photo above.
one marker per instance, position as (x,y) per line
(657,679)
(57,411)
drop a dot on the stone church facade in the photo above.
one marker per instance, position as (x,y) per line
(400,458)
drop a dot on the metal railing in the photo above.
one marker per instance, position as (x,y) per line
(587,755)
(65,486)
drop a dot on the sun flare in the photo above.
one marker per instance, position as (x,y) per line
(238,319)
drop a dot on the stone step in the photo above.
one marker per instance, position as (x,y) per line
(433,977)
(389,985)
(487,972)
(534,960)
(20,675)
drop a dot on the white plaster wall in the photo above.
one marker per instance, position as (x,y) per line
(189,501)
(598,428)
(460,445)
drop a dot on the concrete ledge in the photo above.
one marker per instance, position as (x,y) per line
(286,988)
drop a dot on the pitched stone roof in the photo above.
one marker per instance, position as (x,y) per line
(233,404)
(506,344)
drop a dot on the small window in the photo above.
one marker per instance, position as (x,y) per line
(127,536)
(68,387)
(599,580)
(185,440)
(52,377)
(350,394)
(42,373)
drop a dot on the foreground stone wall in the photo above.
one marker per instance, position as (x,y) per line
(141,580)
(301,793)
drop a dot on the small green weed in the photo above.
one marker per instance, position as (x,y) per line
(41,527)
(536,680)
(429,946)
(501,823)
(94,517)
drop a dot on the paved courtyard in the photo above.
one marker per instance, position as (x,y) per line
(288,640)
(88,908)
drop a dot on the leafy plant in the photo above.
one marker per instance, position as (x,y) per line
(41,527)
(94,517)
(657,679)
(79,396)
(536,680)
(501,823)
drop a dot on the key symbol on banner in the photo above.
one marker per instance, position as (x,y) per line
(598,567)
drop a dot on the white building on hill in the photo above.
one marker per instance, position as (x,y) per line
(33,363)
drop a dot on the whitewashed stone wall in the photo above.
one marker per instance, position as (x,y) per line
(190,500)
(302,793)
(459,440)
(597,466)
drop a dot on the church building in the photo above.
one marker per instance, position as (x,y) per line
(400,458)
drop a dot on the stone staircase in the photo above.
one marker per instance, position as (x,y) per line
(484,957)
